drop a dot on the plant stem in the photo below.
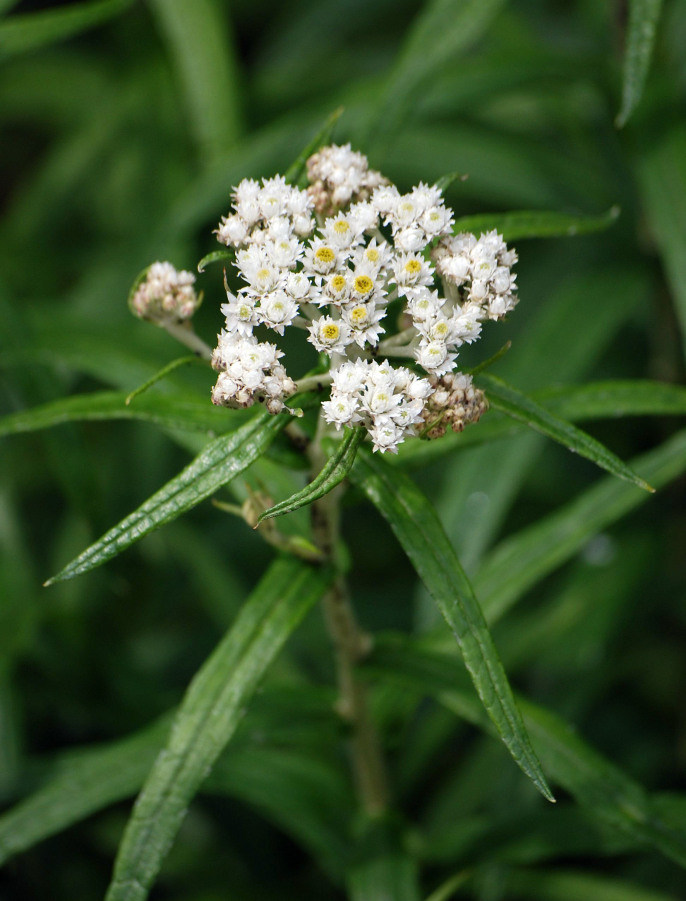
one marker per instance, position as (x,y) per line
(351,645)
(188,337)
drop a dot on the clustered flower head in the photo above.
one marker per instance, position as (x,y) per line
(369,275)
(165,295)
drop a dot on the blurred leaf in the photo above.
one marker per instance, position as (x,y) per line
(169,411)
(297,170)
(663,181)
(334,471)
(535,224)
(220,461)
(81,783)
(419,531)
(442,31)
(382,870)
(597,785)
(562,885)
(643,19)
(159,376)
(201,45)
(522,560)
(449,888)
(306,796)
(517,405)
(32,30)
(207,718)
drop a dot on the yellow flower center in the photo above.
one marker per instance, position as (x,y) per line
(363,284)
(341,227)
(263,275)
(413,266)
(338,283)
(372,254)
(325,255)
(441,328)
(330,331)
(359,315)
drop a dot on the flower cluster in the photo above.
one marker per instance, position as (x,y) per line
(331,261)
(165,295)
(454,402)
(388,401)
(339,176)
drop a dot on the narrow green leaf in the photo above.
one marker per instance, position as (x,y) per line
(441,32)
(445,181)
(562,885)
(221,460)
(503,397)
(216,256)
(597,400)
(600,787)
(449,888)
(643,19)
(419,531)
(296,171)
(522,560)
(207,718)
(663,182)
(158,376)
(536,224)
(32,30)
(335,470)
(201,48)
(82,783)
(173,412)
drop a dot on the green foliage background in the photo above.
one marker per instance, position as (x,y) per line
(124,127)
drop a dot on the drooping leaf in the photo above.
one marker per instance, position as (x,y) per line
(419,531)
(207,718)
(335,470)
(517,405)
(444,182)
(597,400)
(535,224)
(296,170)
(158,376)
(599,786)
(32,30)
(521,560)
(221,460)
(643,19)
(216,256)
(168,411)
(201,47)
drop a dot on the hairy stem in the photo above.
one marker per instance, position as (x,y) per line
(350,645)
(187,336)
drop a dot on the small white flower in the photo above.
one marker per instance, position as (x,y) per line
(277,310)
(329,336)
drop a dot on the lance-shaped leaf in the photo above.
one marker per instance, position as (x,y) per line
(27,32)
(523,559)
(418,529)
(536,224)
(173,412)
(643,19)
(599,786)
(221,460)
(517,405)
(334,471)
(296,170)
(207,718)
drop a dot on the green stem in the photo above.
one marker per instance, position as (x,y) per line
(351,646)
(187,336)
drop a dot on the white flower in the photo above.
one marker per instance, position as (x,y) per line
(363,319)
(329,336)
(412,271)
(240,313)
(278,310)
